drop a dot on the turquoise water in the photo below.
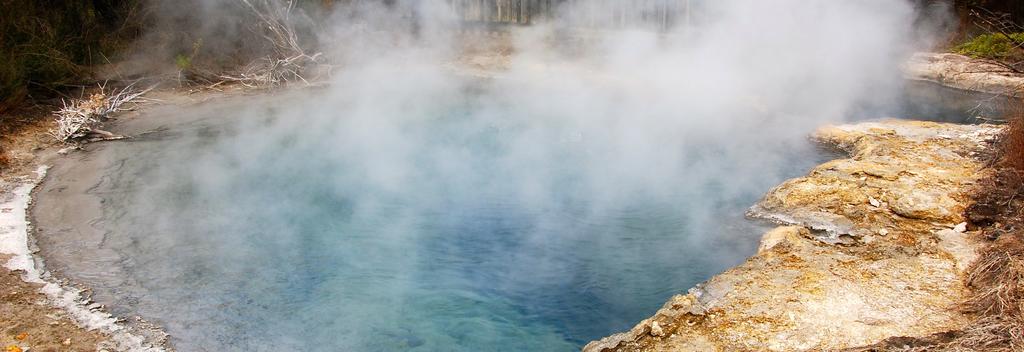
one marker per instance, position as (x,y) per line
(466,224)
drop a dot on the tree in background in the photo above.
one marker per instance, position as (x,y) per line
(47,45)
(1014,8)
(994,32)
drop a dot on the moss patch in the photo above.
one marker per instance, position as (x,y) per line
(995,46)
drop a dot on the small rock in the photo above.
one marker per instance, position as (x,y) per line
(874,202)
(883,232)
(779,235)
(656,330)
(66,342)
(961,227)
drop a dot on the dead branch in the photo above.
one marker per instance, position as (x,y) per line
(289,61)
(271,72)
(77,120)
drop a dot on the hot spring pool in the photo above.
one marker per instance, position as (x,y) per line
(428,225)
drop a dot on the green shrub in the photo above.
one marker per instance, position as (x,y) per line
(993,46)
(184,62)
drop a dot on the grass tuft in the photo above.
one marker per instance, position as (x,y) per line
(996,279)
(1013,141)
(4,159)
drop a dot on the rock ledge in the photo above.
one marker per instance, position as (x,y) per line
(875,248)
(962,72)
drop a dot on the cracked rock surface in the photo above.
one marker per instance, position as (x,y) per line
(873,248)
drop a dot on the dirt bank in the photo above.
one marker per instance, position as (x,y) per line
(30,320)
(877,248)
(30,323)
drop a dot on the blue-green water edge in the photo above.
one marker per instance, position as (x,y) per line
(460,229)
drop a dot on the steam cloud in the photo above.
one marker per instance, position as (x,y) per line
(580,124)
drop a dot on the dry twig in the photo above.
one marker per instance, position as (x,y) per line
(289,62)
(77,120)
(1003,25)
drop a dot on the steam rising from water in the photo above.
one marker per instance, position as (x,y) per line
(408,205)
(714,101)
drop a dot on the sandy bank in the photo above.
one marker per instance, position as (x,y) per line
(876,249)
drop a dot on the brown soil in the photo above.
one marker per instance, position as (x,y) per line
(22,134)
(30,324)
(27,321)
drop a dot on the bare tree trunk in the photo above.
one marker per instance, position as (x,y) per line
(499,5)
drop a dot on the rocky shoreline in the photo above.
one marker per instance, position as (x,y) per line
(964,73)
(876,246)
